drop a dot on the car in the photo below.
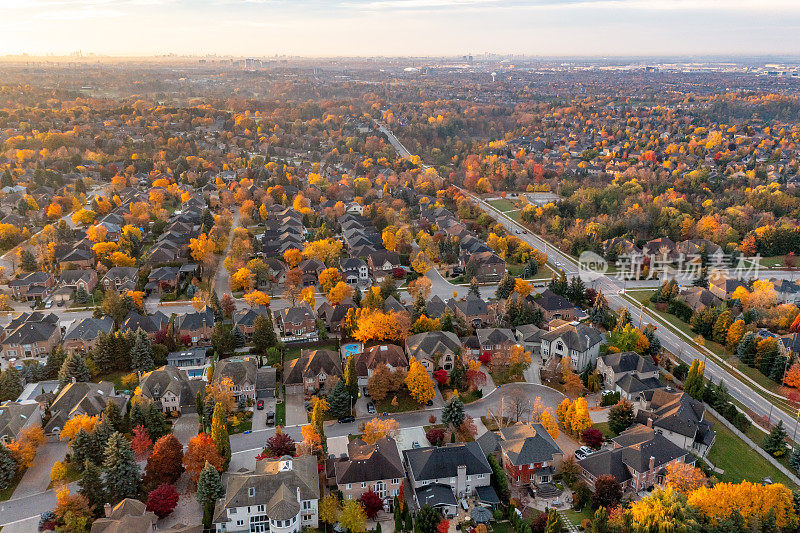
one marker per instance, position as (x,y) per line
(607,392)
(429,403)
(464,505)
(415,445)
(49,304)
(260,405)
(579,454)
(517,231)
(525,232)
(346,419)
(371,408)
(60,303)
(366,392)
(270,418)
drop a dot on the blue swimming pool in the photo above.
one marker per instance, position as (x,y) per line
(350,349)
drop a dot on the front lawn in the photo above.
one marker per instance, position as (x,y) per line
(604,429)
(294,353)
(404,403)
(576,517)
(280,414)
(7,492)
(738,460)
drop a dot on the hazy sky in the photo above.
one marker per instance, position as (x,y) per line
(400,27)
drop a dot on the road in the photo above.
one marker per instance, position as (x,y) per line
(742,389)
(222,278)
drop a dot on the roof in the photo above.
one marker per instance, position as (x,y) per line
(628,362)
(128,516)
(550,301)
(312,363)
(388,354)
(81,398)
(370,462)
(275,483)
(577,336)
(527,444)
(238,371)
(431,342)
(31,332)
(436,494)
(14,416)
(494,336)
(168,378)
(443,462)
(89,328)
(675,411)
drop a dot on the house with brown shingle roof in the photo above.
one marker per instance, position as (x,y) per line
(309,372)
(370,466)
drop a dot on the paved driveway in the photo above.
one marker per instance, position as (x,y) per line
(295,410)
(186,427)
(260,416)
(37,477)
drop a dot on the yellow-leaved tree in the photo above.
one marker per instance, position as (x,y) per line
(419,383)
(750,499)
(77,423)
(377,429)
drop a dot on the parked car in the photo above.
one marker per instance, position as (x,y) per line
(346,419)
(371,408)
(270,418)
(366,392)
(464,505)
(415,445)
(580,454)
(260,405)
(49,304)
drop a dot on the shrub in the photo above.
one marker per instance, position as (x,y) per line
(58,472)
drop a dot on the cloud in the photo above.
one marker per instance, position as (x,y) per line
(455,6)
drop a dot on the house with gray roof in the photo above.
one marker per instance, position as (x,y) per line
(16,416)
(279,495)
(529,455)
(308,373)
(377,467)
(434,349)
(458,468)
(629,373)
(580,342)
(120,278)
(496,340)
(82,398)
(474,310)
(194,361)
(170,388)
(30,340)
(553,306)
(530,337)
(82,336)
(297,323)
(678,417)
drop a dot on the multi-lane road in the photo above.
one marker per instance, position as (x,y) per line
(741,388)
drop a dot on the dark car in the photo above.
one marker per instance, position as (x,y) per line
(366,392)
(347,419)
(371,408)
(270,418)
(430,402)
(260,405)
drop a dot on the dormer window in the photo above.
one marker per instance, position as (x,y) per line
(251,492)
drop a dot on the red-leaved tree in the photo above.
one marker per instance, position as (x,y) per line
(165,464)
(141,442)
(163,500)
(279,444)
(440,376)
(371,503)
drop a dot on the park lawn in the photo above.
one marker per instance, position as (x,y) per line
(738,460)
(7,492)
(280,414)
(404,403)
(503,204)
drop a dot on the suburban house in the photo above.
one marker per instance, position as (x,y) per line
(197,326)
(129,515)
(553,306)
(85,279)
(16,416)
(82,337)
(170,388)
(82,398)
(699,298)
(31,340)
(382,263)
(244,376)
(580,342)
(308,373)
(297,323)
(496,341)
(194,361)
(434,349)
(244,319)
(279,496)
(723,287)
(530,337)
(332,315)
(628,373)
(311,268)
(638,460)
(489,266)
(370,466)
(786,291)
(439,475)
(354,270)
(472,309)
(120,278)
(529,455)
(32,286)
(390,355)
(678,417)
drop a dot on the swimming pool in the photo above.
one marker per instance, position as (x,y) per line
(350,349)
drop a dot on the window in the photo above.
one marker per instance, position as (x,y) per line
(306,504)
(240,522)
(481,476)
(395,481)
(251,492)
(348,486)
(363,484)
(232,511)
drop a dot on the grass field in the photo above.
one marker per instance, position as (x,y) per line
(503,204)
(404,403)
(605,430)
(280,414)
(7,492)
(576,517)
(738,460)
(294,353)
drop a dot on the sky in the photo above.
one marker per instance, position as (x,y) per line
(259,28)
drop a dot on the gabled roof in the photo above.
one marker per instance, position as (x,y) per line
(370,462)
(89,328)
(388,354)
(238,371)
(443,462)
(14,416)
(495,336)
(311,364)
(550,301)
(431,342)
(579,337)
(527,444)
(628,362)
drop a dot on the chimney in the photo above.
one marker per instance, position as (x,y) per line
(652,464)
(649,422)
(298,494)
(107,510)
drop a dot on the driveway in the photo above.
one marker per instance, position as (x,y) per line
(260,417)
(37,477)
(295,410)
(186,427)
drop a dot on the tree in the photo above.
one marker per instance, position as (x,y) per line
(91,487)
(163,500)
(352,517)
(693,385)
(775,442)
(684,477)
(239,340)
(453,412)
(201,450)
(73,426)
(141,442)
(209,490)
(794,460)
(350,377)
(378,383)
(263,334)
(340,400)
(662,510)
(427,519)
(72,510)
(8,467)
(257,298)
(121,470)
(280,444)
(592,437)
(74,367)
(735,333)
(549,423)
(474,288)
(620,417)
(10,384)
(721,327)
(328,278)
(165,464)
(27,443)
(751,500)
(329,509)
(505,287)
(377,429)
(222,339)
(371,502)
(219,434)
(607,492)
(600,521)
(112,417)
(553,524)
(419,383)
